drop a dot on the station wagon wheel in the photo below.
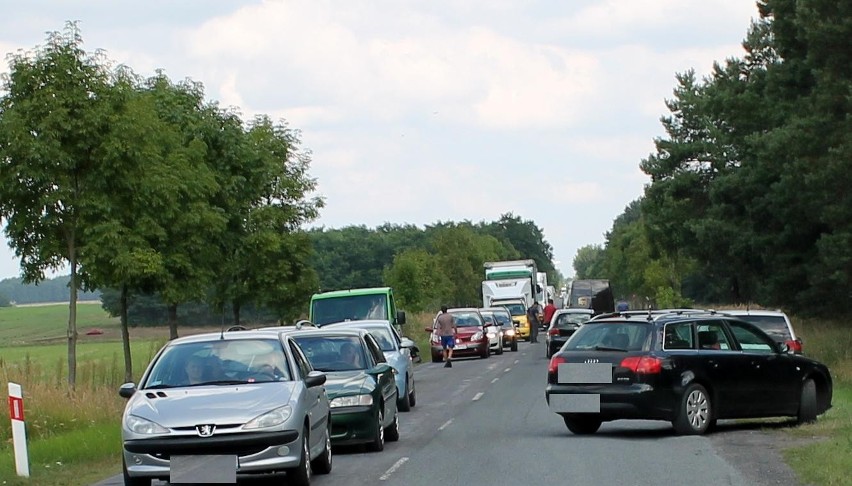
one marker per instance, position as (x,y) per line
(378,442)
(322,464)
(301,474)
(582,424)
(404,402)
(412,397)
(807,403)
(695,411)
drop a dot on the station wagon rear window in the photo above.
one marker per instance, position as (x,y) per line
(616,336)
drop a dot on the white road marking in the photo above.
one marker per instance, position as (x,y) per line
(397,465)
(492,366)
(494,380)
(478,396)
(446,424)
(517,361)
(507,370)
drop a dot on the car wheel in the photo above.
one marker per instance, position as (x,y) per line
(412,397)
(549,352)
(514,344)
(378,442)
(392,432)
(131,481)
(437,358)
(695,411)
(301,474)
(404,402)
(485,352)
(582,425)
(322,464)
(807,403)
(500,347)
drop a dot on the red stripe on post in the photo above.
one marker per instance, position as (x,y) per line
(16,408)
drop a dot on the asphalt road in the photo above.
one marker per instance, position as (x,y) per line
(485,421)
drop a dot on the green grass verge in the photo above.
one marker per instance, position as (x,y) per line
(48,323)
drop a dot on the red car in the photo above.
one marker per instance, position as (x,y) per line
(471,339)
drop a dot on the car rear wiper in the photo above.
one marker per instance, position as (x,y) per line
(608,348)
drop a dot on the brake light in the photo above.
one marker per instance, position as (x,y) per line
(554,364)
(553,332)
(643,365)
(795,345)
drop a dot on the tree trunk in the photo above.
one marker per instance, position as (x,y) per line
(236,313)
(125,337)
(72,318)
(173,334)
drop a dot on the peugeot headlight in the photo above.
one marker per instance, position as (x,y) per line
(477,336)
(352,401)
(138,425)
(270,419)
(491,335)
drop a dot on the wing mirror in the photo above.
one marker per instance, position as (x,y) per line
(315,378)
(407,343)
(127,390)
(400,317)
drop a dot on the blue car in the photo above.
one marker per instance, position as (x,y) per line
(398,353)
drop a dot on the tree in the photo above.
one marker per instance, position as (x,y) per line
(589,262)
(54,120)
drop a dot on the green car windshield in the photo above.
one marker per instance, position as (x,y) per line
(350,308)
(334,353)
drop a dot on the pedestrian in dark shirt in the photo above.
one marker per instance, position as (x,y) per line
(532,316)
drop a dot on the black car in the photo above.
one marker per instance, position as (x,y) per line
(689,369)
(562,325)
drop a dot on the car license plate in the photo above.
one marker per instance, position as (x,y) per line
(578,373)
(575,403)
(218,469)
(461,346)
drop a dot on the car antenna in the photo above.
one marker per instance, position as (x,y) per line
(222,332)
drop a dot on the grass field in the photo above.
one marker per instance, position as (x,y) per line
(74,436)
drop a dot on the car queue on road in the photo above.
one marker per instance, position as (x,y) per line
(315,388)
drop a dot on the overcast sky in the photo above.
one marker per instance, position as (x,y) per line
(426,111)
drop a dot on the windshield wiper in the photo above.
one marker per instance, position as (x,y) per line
(221,382)
(608,348)
(159,387)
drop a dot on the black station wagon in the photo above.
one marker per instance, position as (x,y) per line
(687,368)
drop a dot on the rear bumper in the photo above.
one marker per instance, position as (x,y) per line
(636,401)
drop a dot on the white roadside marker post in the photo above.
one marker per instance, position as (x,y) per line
(19,433)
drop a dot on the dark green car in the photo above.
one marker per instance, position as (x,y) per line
(361,385)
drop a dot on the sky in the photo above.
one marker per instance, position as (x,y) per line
(423,111)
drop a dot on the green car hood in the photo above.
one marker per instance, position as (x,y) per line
(341,383)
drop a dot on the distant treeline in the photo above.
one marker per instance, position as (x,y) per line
(15,291)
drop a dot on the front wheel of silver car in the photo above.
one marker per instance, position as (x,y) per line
(301,474)
(131,481)
(695,411)
(322,464)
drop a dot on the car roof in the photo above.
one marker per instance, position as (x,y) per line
(575,310)
(463,309)
(341,293)
(752,312)
(357,323)
(226,336)
(494,309)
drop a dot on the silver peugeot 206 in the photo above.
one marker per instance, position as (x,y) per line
(214,407)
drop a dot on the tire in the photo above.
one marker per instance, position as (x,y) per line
(586,424)
(404,402)
(301,474)
(131,481)
(514,344)
(437,358)
(549,352)
(695,411)
(392,432)
(378,442)
(322,464)
(487,352)
(412,397)
(500,347)
(807,403)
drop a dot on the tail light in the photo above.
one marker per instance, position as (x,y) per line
(553,332)
(795,346)
(643,365)
(555,361)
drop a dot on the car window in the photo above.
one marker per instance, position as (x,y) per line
(505,320)
(751,340)
(467,319)
(712,337)
(333,353)
(611,336)
(515,309)
(302,362)
(678,336)
(374,349)
(489,320)
(571,319)
(383,338)
(775,326)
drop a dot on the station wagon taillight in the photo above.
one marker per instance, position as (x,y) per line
(554,331)
(795,346)
(554,364)
(643,365)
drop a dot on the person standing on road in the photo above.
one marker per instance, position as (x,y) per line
(532,317)
(446,327)
(549,310)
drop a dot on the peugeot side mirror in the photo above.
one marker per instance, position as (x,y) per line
(127,390)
